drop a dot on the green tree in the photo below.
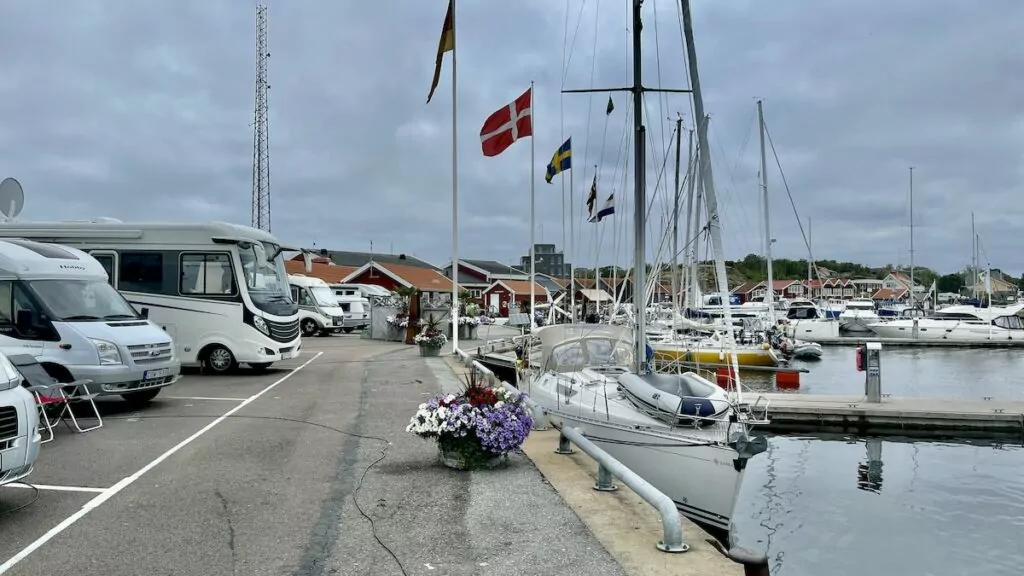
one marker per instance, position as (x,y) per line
(950,283)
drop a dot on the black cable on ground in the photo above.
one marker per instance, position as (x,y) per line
(35,496)
(355,491)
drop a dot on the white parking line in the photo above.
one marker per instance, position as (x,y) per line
(109,493)
(203,398)
(57,488)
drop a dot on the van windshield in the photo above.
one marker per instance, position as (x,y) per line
(324,296)
(81,300)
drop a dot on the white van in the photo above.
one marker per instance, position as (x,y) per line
(19,426)
(56,304)
(319,310)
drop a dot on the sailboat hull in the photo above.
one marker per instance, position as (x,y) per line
(701,479)
(748,357)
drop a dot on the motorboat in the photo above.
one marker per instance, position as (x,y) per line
(958,323)
(680,432)
(859,313)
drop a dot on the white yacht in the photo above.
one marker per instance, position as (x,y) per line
(958,323)
(680,432)
(859,313)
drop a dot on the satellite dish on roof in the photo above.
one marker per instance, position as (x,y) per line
(12,197)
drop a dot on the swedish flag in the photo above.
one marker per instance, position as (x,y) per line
(561,161)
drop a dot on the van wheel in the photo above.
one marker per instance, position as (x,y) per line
(142,397)
(219,360)
(309,327)
(347,330)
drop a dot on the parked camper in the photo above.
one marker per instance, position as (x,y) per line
(220,290)
(319,310)
(57,305)
(361,290)
(19,426)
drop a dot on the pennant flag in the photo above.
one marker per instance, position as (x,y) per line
(561,161)
(607,210)
(508,124)
(446,44)
(611,106)
(592,199)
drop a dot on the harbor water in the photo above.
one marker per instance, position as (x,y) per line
(843,506)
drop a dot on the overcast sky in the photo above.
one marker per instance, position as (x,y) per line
(142,110)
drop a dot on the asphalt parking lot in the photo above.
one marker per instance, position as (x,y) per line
(216,476)
(306,470)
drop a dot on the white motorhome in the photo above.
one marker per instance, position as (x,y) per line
(220,290)
(19,426)
(56,304)
(319,310)
(361,290)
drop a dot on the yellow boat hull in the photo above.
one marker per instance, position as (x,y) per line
(744,357)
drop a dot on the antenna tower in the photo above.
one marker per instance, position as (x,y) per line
(260,141)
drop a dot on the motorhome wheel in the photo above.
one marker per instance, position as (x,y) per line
(347,330)
(309,327)
(220,360)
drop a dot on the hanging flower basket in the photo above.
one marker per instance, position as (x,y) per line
(476,429)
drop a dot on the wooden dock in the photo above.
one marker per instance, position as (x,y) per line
(930,417)
(914,342)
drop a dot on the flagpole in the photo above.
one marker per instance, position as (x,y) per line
(533,248)
(572,249)
(455,191)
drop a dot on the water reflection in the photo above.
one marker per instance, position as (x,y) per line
(946,508)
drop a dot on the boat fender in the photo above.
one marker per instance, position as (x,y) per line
(862,357)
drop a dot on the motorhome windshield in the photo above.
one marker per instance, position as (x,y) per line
(266,279)
(81,300)
(324,296)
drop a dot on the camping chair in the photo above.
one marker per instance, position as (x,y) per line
(52,395)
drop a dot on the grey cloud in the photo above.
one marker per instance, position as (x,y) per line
(143,110)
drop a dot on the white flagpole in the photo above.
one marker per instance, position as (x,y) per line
(455,192)
(572,248)
(533,254)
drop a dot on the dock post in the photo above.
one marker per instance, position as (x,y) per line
(605,481)
(564,446)
(873,372)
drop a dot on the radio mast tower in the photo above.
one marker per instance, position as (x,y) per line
(260,141)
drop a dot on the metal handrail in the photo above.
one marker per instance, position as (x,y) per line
(671,521)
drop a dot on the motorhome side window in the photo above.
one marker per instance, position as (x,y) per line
(107,261)
(206,274)
(304,298)
(141,272)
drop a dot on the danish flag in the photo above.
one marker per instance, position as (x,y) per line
(508,124)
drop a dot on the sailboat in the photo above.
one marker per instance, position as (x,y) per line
(681,432)
(710,344)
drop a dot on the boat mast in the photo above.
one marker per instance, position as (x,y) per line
(688,278)
(974,260)
(810,256)
(639,194)
(770,291)
(708,184)
(911,236)
(675,225)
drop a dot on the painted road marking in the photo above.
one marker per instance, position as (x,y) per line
(57,488)
(127,481)
(202,398)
